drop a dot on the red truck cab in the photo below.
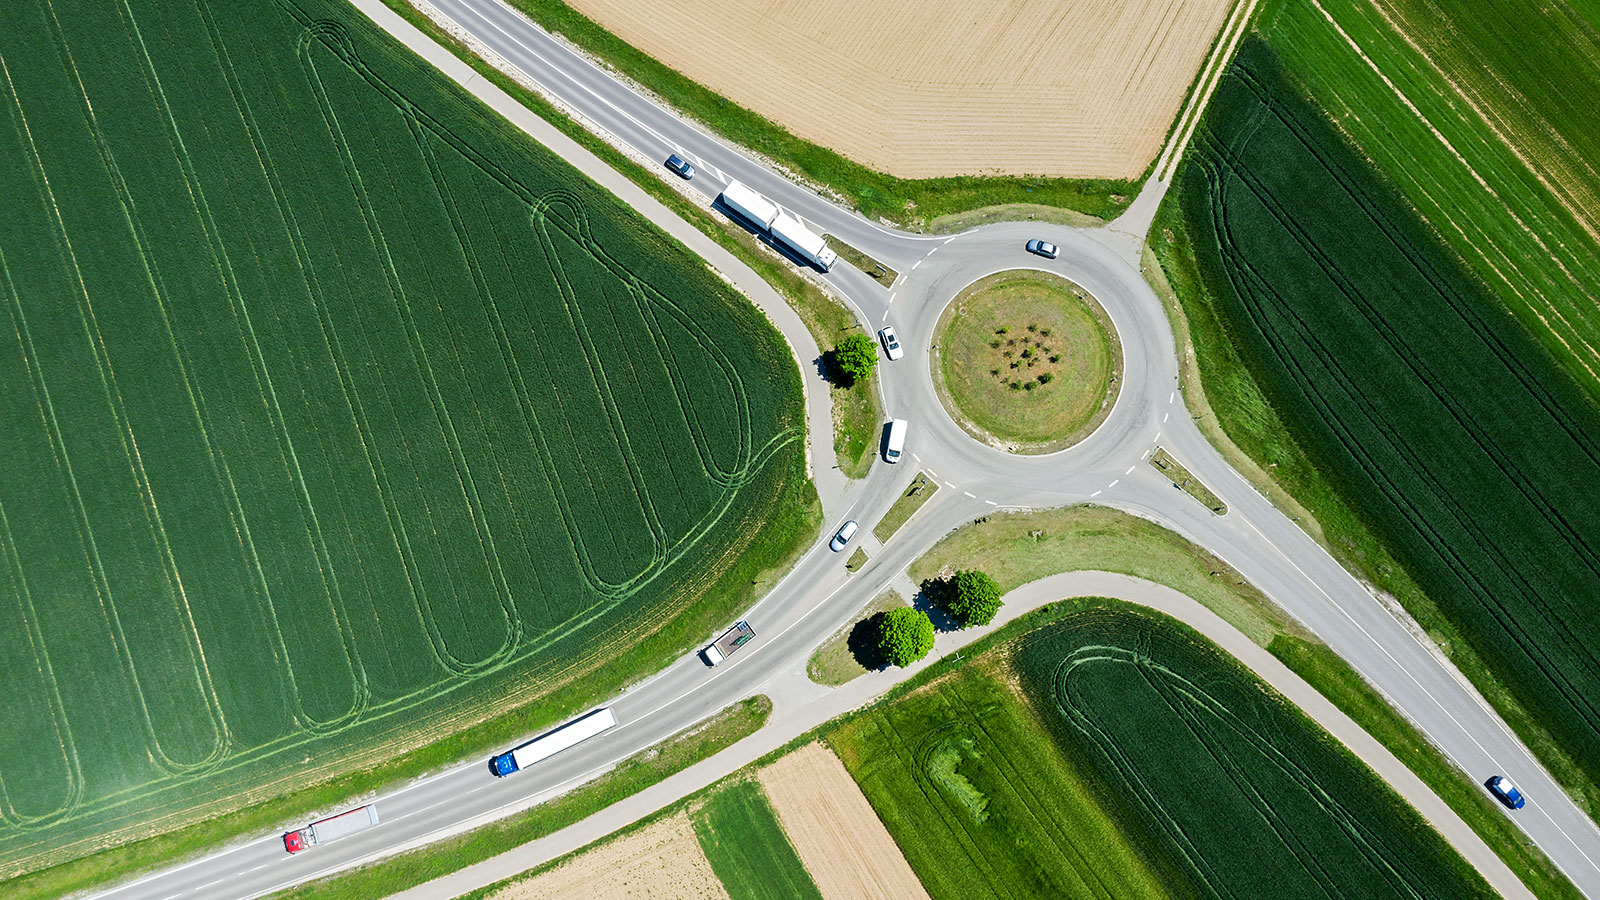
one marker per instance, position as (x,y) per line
(294,841)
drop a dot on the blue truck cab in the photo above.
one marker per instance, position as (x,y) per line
(503,765)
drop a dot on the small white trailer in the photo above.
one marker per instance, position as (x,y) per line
(731,640)
(753,207)
(793,233)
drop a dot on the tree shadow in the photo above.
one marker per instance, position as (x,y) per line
(863,643)
(933,597)
(828,367)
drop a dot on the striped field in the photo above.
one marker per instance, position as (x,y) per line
(337,416)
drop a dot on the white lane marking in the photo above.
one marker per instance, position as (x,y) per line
(930,471)
(1095,494)
(1113,482)
(950,484)
(885,314)
(917,263)
(932,252)
(991,503)
(1165,418)
(1130,469)
(916,457)
(891,296)
(1171,396)
(970,494)
(262,866)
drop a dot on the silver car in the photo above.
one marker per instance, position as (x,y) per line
(1044,248)
(846,532)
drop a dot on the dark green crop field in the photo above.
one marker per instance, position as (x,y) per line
(1222,777)
(747,847)
(981,802)
(1482,116)
(1467,448)
(338,417)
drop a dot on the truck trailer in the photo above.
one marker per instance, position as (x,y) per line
(332,828)
(793,233)
(731,640)
(549,744)
(754,208)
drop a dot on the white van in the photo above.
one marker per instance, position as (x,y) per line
(896,441)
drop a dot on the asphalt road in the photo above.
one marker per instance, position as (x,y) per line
(817,596)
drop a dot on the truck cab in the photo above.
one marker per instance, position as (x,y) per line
(503,765)
(295,841)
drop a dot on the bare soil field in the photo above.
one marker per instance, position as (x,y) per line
(662,861)
(844,846)
(923,88)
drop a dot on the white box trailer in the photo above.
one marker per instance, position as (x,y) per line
(549,744)
(332,828)
(752,206)
(797,237)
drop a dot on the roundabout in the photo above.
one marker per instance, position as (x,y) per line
(1026,361)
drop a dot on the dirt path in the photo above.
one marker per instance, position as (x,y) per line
(1083,88)
(848,852)
(662,861)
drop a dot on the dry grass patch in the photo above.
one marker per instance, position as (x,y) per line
(846,849)
(662,861)
(1082,89)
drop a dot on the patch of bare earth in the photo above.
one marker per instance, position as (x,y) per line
(848,852)
(662,861)
(1072,88)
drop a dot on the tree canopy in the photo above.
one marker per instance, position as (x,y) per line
(856,356)
(906,635)
(975,598)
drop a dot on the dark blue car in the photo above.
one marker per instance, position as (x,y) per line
(1504,791)
(680,165)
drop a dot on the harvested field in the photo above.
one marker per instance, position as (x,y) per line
(846,849)
(953,87)
(662,861)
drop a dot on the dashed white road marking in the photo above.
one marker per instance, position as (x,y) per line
(931,473)
(991,503)
(950,484)
(1171,396)
(916,457)
(1113,482)
(1130,469)
(917,263)
(1165,418)
(970,494)
(1095,494)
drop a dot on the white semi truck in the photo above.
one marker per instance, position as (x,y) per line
(753,207)
(332,828)
(540,748)
(783,228)
(792,233)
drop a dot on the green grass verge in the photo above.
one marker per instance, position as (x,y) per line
(908,202)
(747,847)
(1186,482)
(631,776)
(852,651)
(876,270)
(1016,548)
(1333,678)
(1027,361)
(919,491)
(1230,783)
(1467,478)
(856,561)
(972,788)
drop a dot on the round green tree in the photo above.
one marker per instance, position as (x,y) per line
(975,598)
(905,636)
(856,356)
